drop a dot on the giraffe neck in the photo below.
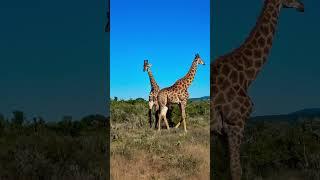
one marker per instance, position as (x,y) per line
(153,83)
(188,78)
(257,46)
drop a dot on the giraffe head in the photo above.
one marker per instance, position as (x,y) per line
(293,4)
(198,59)
(146,65)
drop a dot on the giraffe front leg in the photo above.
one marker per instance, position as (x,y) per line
(183,114)
(181,117)
(234,143)
(159,120)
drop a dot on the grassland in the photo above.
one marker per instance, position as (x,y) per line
(138,152)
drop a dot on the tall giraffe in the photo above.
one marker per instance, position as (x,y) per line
(232,74)
(153,92)
(177,94)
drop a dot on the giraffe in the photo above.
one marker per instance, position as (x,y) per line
(233,73)
(153,92)
(177,94)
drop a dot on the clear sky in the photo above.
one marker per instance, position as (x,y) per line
(166,32)
(52,57)
(290,79)
(53,53)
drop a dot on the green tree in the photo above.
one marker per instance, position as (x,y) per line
(94,119)
(18,118)
(35,124)
(67,118)
(140,100)
(41,121)
(65,124)
(2,122)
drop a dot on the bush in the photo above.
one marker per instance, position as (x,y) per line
(57,150)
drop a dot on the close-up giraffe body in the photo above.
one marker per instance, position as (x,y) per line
(233,73)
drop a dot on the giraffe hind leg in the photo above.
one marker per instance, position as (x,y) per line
(164,114)
(151,103)
(156,119)
(159,121)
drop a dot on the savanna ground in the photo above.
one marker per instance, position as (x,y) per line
(140,152)
(274,150)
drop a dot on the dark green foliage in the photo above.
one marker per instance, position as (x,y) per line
(136,111)
(129,111)
(57,150)
(275,150)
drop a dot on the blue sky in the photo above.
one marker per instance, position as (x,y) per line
(53,58)
(53,53)
(167,33)
(290,79)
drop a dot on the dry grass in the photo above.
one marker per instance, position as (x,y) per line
(138,152)
(164,155)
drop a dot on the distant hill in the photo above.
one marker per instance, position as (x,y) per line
(308,112)
(294,116)
(204,98)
